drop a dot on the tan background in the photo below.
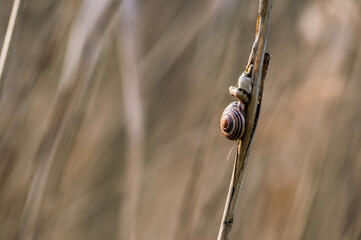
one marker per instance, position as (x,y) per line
(109,121)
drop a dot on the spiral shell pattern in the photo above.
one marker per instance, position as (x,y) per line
(232,121)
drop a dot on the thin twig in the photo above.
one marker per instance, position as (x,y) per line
(260,60)
(8,36)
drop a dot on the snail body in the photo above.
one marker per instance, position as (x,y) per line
(233,123)
(245,83)
(243,88)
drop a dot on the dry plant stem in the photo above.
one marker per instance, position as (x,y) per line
(8,37)
(260,61)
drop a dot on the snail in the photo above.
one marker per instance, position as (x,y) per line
(233,121)
(244,86)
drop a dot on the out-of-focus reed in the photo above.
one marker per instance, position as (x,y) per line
(110,112)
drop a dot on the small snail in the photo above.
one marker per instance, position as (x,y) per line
(233,122)
(244,86)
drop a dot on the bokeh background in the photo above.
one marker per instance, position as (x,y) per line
(109,120)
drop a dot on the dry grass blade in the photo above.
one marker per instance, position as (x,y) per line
(260,61)
(74,89)
(133,110)
(7,41)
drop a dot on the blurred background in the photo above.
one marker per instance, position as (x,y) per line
(109,120)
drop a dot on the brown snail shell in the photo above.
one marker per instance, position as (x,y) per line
(233,123)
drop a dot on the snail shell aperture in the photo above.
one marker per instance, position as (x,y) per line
(233,122)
